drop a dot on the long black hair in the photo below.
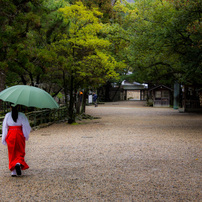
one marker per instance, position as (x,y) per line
(14,113)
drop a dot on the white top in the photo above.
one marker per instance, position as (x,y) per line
(21,121)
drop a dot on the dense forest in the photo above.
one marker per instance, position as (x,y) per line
(65,46)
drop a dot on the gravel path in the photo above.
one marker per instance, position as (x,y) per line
(130,153)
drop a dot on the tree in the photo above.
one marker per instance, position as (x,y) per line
(162,47)
(81,55)
(185,35)
(20,22)
(104,6)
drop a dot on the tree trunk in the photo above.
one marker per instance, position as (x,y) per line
(116,92)
(77,102)
(83,107)
(71,102)
(107,92)
(65,89)
(2,83)
(2,79)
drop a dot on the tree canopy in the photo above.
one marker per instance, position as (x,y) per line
(20,25)
(67,45)
(165,43)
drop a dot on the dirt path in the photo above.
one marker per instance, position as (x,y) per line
(131,153)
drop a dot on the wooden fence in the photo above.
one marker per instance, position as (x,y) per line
(37,118)
(46,116)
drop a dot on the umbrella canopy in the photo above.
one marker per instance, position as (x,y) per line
(29,96)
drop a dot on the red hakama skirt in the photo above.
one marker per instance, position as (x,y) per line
(16,147)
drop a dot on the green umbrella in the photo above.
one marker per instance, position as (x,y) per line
(29,96)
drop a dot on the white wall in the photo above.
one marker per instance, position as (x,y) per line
(133,94)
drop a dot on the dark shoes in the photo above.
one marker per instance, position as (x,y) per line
(18,169)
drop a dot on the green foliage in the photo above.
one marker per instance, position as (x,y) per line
(165,40)
(73,45)
(80,49)
(104,7)
(186,31)
(20,22)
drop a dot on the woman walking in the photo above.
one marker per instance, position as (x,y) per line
(15,131)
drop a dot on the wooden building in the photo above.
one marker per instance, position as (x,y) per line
(162,96)
(192,98)
(125,91)
(134,90)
